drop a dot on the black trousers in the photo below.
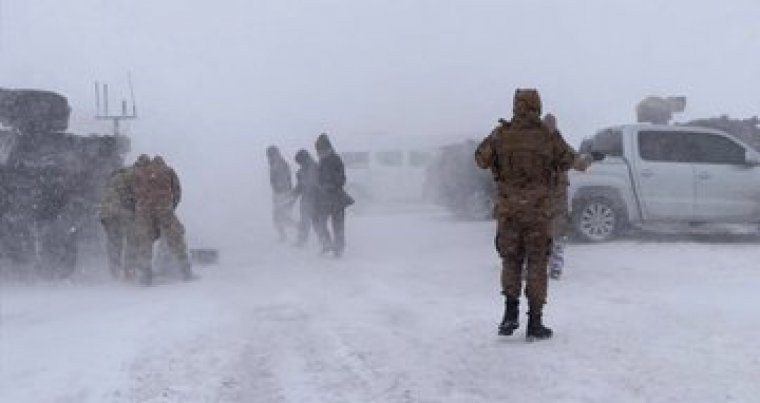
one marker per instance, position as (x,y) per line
(336,216)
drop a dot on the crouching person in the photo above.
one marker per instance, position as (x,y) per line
(157,194)
(117,215)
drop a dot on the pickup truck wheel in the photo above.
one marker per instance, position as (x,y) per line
(596,220)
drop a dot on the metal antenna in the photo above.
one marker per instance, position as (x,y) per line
(132,94)
(116,119)
(97,98)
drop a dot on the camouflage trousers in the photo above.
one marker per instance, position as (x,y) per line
(120,244)
(523,242)
(561,224)
(150,224)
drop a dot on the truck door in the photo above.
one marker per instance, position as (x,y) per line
(665,177)
(726,187)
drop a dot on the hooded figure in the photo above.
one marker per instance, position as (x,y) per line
(332,199)
(524,154)
(560,213)
(282,184)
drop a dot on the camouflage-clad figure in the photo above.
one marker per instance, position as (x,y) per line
(117,214)
(524,154)
(561,215)
(157,194)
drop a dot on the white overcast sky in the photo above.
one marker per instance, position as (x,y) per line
(293,68)
(218,80)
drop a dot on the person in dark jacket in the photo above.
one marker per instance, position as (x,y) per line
(332,199)
(307,178)
(282,185)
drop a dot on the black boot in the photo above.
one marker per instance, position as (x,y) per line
(510,322)
(536,330)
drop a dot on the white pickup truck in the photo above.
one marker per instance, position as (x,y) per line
(660,174)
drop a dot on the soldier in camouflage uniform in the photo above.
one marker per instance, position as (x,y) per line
(524,154)
(117,214)
(157,194)
(561,215)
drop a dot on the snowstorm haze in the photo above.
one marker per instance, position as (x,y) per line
(410,312)
(218,81)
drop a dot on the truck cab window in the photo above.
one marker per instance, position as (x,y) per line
(664,146)
(715,149)
(609,142)
(390,158)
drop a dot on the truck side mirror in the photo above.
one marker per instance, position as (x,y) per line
(597,155)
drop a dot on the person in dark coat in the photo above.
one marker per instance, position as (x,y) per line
(332,199)
(307,178)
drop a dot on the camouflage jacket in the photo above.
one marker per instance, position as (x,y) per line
(118,194)
(525,159)
(156,187)
(560,182)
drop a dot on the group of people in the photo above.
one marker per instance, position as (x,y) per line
(320,191)
(138,208)
(529,160)
(527,156)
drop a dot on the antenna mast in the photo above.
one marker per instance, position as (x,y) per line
(102,113)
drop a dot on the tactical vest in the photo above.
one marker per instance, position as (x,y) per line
(524,158)
(153,187)
(118,196)
(524,163)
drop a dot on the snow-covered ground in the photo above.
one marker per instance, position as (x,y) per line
(409,315)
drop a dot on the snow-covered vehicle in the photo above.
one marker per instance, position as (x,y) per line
(664,174)
(50,183)
(455,182)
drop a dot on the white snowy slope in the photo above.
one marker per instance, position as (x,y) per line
(409,315)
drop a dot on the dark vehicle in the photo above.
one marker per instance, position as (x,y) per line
(50,184)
